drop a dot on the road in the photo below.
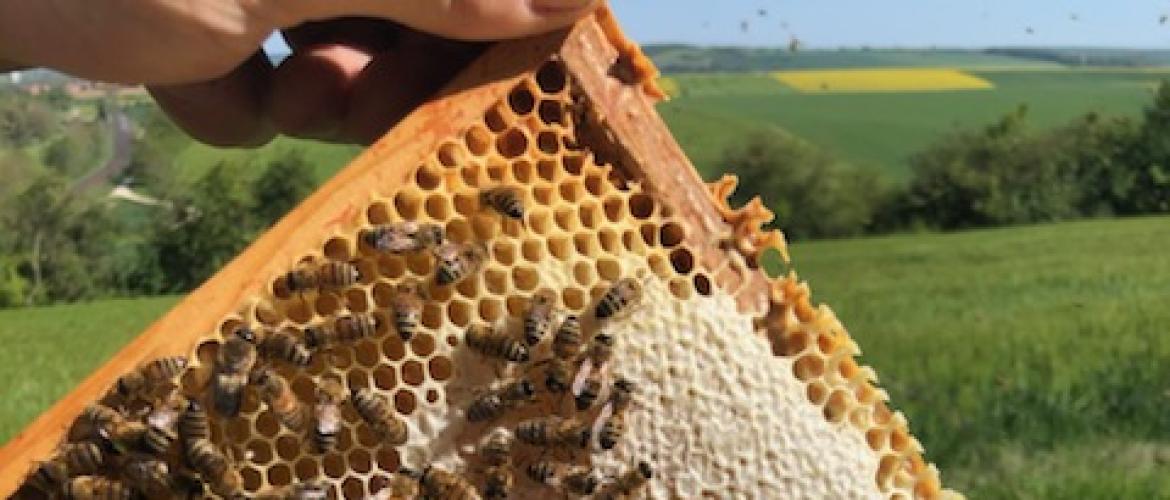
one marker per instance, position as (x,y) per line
(121,126)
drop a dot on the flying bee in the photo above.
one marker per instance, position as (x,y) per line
(236,357)
(283,344)
(150,375)
(330,276)
(327,414)
(150,476)
(568,339)
(304,490)
(627,483)
(553,431)
(580,481)
(538,320)
(590,389)
(403,237)
(276,392)
(622,296)
(492,343)
(215,468)
(379,413)
(444,485)
(407,306)
(494,403)
(97,488)
(193,425)
(508,201)
(456,262)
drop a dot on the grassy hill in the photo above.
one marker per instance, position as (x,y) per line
(1031,361)
(881,130)
(686,58)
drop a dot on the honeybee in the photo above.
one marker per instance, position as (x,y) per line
(558,374)
(496,453)
(489,342)
(97,488)
(456,262)
(403,237)
(407,306)
(72,459)
(580,481)
(327,414)
(401,486)
(150,476)
(601,349)
(380,415)
(496,449)
(553,431)
(283,344)
(128,436)
(505,200)
(627,483)
(590,389)
(236,357)
(150,375)
(568,339)
(542,471)
(492,404)
(304,490)
(193,425)
(49,477)
(329,276)
(216,469)
(276,392)
(97,417)
(621,394)
(444,485)
(538,320)
(161,425)
(613,415)
(611,431)
(623,295)
(346,329)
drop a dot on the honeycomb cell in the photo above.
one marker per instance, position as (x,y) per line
(450,155)
(876,438)
(583,273)
(680,288)
(595,185)
(551,112)
(608,269)
(333,465)
(551,79)
(440,368)
(432,315)
(378,213)
(353,489)
(478,140)
(207,351)
(504,252)
(408,204)
(338,249)
(239,430)
(611,241)
(420,265)
(540,221)
(387,459)
(641,206)
(817,393)
(632,241)
(357,301)
(405,401)
(836,406)
(412,373)
(357,378)
(525,278)
(566,219)
(307,468)
(490,310)
(574,298)
(438,207)
(393,348)
(671,234)
(288,448)
(900,440)
(326,305)
(702,284)
(548,142)
(360,461)
(589,215)
(573,164)
(548,171)
(494,120)
(532,250)
(466,204)
(459,229)
(682,261)
(432,396)
(571,190)
(586,244)
(809,366)
(459,312)
(614,208)
(521,100)
(423,345)
(267,425)
(259,451)
(391,267)
(468,288)
(523,171)
(512,143)
(251,477)
(266,315)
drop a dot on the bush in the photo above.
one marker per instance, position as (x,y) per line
(286,180)
(814,194)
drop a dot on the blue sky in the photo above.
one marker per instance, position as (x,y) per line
(910,23)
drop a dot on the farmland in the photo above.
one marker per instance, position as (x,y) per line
(1029,360)
(881,130)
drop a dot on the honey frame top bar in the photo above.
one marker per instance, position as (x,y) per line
(591,51)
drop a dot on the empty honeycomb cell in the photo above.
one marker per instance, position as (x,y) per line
(490,310)
(573,163)
(378,213)
(827,343)
(589,214)
(887,465)
(809,366)
(326,305)
(658,264)
(469,287)
(459,313)
(207,351)
(366,353)
(847,368)
(614,208)
(571,190)
(608,269)
(548,142)
(641,205)
(306,469)
(450,155)
(583,273)
(540,221)
(542,194)
(333,465)
(432,396)
(866,394)
(532,250)
(405,401)
(388,459)
(423,345)
(516,305)
(595,185)
(384,377)
(495,171)
(408,204)
(478,140)
(494,119)
(817,392)
(551,112)
(466,204)
(432,315)
(504,252)
(360,461)
(550,78)
(566,219)
(610,240)
(525,278)
(288,448)
(420,264)
(412,373)
(702,284)
(357,300)
(391,266)
(485,226)
(266,315)
(682,261)
(267,425)
(353,489)
(367,437)
(303,386)
(440,368)
(521,100)
(341,357)
(585,243)
(836,406)
(438,207)
(472,175)
(512,143)
(573,298)
(523,171)
(649,234)
(680,288)
(338,249)
(428,178)
(859,416)
(548,171)
(796,343)
(877,438)
(259,451)
(251,478)
(899,440)
(671,234)
(393,348)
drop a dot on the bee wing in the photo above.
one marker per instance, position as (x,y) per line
(599,422)
(582,376)
(328,419)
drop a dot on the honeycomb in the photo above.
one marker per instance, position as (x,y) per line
(729,400)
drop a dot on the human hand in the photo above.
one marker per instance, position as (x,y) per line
(357,67)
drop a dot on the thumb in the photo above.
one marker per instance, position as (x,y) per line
(457,19)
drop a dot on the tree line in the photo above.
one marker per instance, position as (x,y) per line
(1004,173)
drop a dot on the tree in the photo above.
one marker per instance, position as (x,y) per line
(287,179)
(24,121)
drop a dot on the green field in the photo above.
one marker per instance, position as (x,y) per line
(882,130)
(1032,362)
(326,158)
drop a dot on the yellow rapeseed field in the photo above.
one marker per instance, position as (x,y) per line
(881,80)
